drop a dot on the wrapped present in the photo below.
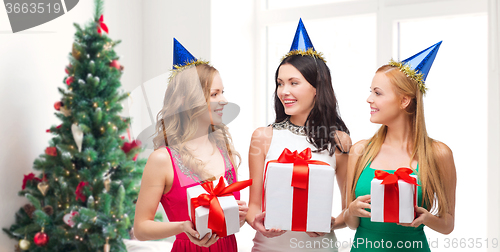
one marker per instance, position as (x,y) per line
(298,193)
(394,196)
(214,208)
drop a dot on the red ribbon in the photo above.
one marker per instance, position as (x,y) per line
(300,184)
(391,191)
(216,219)
(102,25)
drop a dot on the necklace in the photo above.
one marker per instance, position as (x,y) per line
(286,124)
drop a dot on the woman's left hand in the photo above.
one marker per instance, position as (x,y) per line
(422,214)
(242,205)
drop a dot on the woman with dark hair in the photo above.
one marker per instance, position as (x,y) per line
(306,117)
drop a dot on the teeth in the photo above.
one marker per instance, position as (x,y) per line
(374,110)
(287,102)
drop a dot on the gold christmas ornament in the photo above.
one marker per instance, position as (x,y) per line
(107,46)
(43,187)
(107,184)
(75,53)
(66,112)
(77,135)
(107,247)
(24,244)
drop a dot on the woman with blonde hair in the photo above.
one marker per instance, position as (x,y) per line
(192,145)
(396,102)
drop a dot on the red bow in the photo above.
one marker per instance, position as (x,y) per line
(216,219)
(300,184)
(391,191)
(30,177)
(129,146)
(102,25)
(401,173)
(79,191)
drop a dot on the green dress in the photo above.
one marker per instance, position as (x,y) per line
(379,236)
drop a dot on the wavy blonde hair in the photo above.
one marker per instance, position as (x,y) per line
(187,98)
(420,145)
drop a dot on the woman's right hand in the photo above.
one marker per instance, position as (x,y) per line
(194,236)
(258,224)
(357,207)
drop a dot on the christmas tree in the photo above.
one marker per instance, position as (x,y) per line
(88,178)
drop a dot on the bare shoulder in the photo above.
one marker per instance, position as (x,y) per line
(263,134)
(344,140)
(358,148)
(159,160)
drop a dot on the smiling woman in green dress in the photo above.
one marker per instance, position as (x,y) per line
(396,102)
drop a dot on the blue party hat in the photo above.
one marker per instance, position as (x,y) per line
(183,58)
(423,60)
(181,55)
(418,66)
(302,44)
(301,41)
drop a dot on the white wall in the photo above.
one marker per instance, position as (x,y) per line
(232,45)
(32,66)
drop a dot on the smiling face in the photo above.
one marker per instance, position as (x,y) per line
(217,100)
(385,103)
(295,93)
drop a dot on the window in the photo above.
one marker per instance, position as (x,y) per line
(456,105)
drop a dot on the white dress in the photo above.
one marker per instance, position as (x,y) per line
(288,135)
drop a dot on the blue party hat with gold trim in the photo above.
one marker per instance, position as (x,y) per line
(418,66)
(183,58)
(302,44)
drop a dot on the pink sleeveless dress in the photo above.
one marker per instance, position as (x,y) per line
(175,204)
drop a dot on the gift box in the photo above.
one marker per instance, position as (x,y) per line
(213,208)
(298,193)
(394,196)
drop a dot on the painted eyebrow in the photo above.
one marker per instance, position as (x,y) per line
(290,78)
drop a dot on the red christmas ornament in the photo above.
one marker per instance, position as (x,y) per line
(116,65)
(102,25)
(67,68)
(29,177)
(79,191)
(58,127)
(51,151)
(129,146)
(41,239)
(58,105)
(70,80)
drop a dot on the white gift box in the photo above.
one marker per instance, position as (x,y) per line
(407,200)
(279,197)
(229,207)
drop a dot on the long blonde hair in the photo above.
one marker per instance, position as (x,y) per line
(420,147)
(187,98)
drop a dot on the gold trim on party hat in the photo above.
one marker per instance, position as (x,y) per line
(415,75)
(310,52)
